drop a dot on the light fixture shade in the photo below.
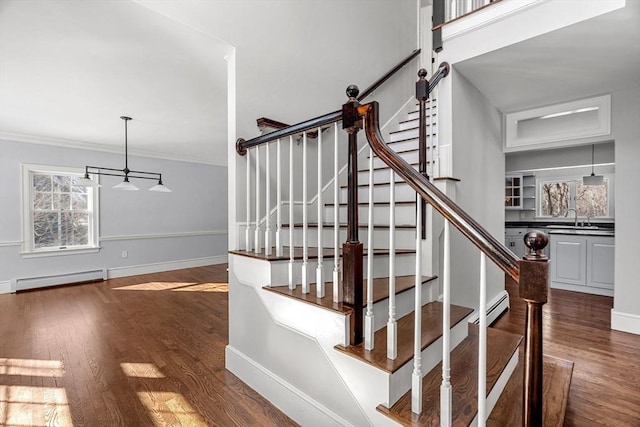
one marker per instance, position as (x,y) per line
(126,186)
(593,180)
(160,188)
(88,182)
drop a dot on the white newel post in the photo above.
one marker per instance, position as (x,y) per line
(319,275)
(445,388)
(369,329)
(337,289)
(392,326)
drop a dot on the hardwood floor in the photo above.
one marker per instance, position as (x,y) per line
(605,388)
(137,351)
(149,350)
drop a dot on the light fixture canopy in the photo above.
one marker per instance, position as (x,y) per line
(592,179)
(125,173)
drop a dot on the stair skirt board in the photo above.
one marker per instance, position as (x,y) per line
(299,406)
(495,308)
(60,279)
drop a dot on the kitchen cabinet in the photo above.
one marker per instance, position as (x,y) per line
(514,240)
(520,192)
(582,263)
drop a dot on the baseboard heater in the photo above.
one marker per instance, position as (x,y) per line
(61,279)
(493,311)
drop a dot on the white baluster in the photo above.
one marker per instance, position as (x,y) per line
(278,199)
(369,330)
(319,275)
(392,326)
(416,377)
(305,219)
(292,227)
(247,231)
(257,231)
(482,346)
(445,388)
(267,184)
(337,289)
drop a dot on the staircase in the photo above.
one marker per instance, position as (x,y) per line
(416,360)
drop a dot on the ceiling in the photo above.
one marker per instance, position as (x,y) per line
(70,69)
(593,57)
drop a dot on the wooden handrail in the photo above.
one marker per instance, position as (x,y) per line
(494,249)
(285,130)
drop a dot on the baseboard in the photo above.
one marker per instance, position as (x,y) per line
(625,322)
(495,308)
(5,287)
(158,267)
(293,402)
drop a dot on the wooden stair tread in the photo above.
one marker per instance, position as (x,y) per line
(380,292)
(313,253)
(556,382)
(464,381)
(431,331)
(330,225)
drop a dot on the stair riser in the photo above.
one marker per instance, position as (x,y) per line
(413,122)
(379,176)
(404,134)
(405,237)
(404,214)
(405,303)
(409,157)
(403,193)
(278,272)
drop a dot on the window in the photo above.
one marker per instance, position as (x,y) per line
(556,197)
(60,215)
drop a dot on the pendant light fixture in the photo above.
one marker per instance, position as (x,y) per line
(592,179)
(125,173)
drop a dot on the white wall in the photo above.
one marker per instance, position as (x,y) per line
(160,231)
(478,162)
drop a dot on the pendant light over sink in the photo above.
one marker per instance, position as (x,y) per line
(592,179)
(125,173)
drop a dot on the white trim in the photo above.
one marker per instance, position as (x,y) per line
(164,235)
(8,243)
(157,267)
(90,146)
(292,401)
(625,322)
(60,252)
(5,287)
(495,307)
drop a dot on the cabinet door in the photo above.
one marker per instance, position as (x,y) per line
(568,254)
(600,262)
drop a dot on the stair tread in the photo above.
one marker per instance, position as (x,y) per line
(312,253)
(380,292)
(378,184)
(385,167)
(464,373)
(431,331)
(556,381)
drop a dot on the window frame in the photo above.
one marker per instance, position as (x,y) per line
(573,180)
(28,246)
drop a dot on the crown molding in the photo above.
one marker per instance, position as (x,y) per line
(81,145)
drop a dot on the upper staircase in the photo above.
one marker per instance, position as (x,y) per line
(405,354)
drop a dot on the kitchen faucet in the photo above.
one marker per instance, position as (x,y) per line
(575,218)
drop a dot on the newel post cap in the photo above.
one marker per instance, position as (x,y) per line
(535,241)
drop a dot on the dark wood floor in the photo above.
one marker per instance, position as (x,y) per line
(137,351)
(149,350)
(605,388)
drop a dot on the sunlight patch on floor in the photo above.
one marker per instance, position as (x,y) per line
(205,287)
(34,406)
(141,370)
(176,287)
(31,367)
(169,408)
